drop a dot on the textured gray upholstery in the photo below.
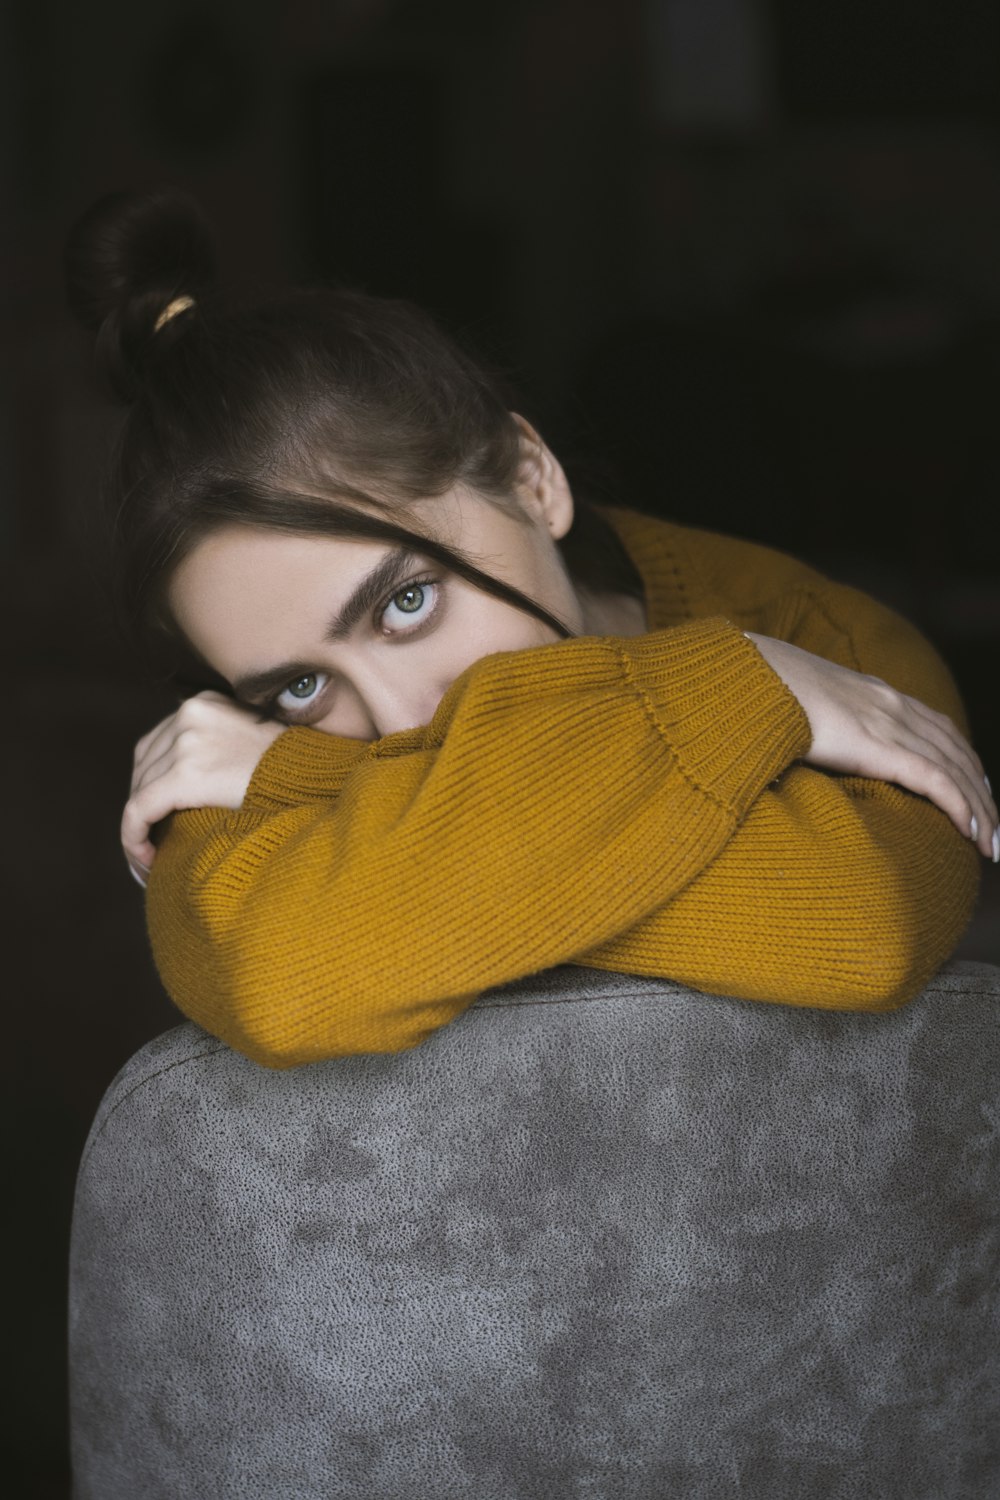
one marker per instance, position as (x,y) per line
(602,1238)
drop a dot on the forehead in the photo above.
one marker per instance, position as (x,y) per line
(253,593)
(250,566)
(247,598)
(235,559)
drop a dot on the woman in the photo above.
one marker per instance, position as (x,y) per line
(454,725)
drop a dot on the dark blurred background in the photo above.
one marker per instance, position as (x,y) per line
(742,257)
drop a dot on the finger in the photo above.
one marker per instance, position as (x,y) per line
(969,810)
(151,750)
(150,805)
(156,767)
(141,746)
(138,848)
(950,728)
(142,812)
(995,840)
(934,778)
(166,729)
(944,731)
(944,738)
(199,713)
(134,871)
(162,754)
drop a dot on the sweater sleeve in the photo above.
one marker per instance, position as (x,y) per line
(364,894)
(835,891)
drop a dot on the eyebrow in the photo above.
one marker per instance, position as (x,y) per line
(369,593)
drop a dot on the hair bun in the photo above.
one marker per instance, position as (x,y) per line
(129,258)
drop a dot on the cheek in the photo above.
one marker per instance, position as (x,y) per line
(480,624)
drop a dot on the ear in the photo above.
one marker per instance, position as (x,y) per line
(542,487)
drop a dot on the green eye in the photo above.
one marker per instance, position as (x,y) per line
(410,599)
(410,608)
(303,687)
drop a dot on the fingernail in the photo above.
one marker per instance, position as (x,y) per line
(136,876)
(974,834)
(996,846)
(988,787)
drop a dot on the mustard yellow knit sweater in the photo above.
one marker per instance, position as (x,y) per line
(622,803)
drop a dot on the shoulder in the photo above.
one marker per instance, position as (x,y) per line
(715,567)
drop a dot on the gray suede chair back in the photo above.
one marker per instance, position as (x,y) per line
(602,1238)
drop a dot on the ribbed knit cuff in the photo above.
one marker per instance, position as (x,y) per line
(727,715)
(302,765)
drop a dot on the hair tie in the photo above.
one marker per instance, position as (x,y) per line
(179,305)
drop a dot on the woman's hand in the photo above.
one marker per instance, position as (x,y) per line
(201,756)
(863,727)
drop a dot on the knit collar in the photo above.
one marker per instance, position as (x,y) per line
(653,546)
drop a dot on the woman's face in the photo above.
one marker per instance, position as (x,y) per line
(360,639)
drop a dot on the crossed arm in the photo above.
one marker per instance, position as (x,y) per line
(656,805)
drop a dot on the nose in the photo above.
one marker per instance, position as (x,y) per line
(381,703)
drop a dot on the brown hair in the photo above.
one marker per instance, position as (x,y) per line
(280,413)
